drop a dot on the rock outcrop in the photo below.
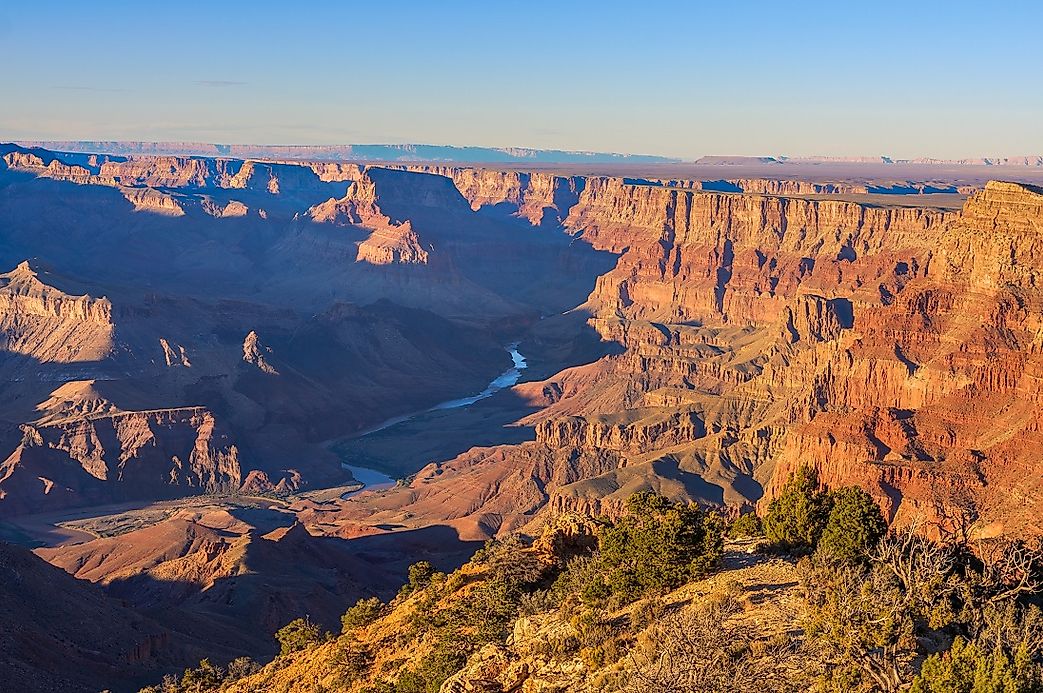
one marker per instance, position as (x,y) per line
(107,457)
(257,354)
(44,323)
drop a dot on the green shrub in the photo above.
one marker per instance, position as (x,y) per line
(968,667)
(796,519)
(421,574)
(854,526)
(428,676)
(658,545)
(363,613)
(297,635)
(581,581)
(241,667)
(353,660)
(745,526)
(512,573)
(202,678)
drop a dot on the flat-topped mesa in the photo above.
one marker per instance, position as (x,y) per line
(51,167)
(739,259)
(389,196)
(163,171)
(399,192)
(764,186)
(273,178)
(1006,206)
(331,172)
(998,239)
(613,204)
(47,324)
(199,173)
(531,196)
(387,201)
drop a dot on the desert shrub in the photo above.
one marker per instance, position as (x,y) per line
(538,602)
(241,667)
(582,581)
(597,637)
(204,677)
(646,612)
(511,574)
(854,526)
(870,620)
(421,574)
(352,660)
(969,667)
(431,672)
(745,526)
(795,520)
(708,648)
(658,545)
(297,635)
(862,621)
(363,613)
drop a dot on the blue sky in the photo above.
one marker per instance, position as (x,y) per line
(948,79)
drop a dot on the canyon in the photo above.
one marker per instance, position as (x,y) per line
(233,336)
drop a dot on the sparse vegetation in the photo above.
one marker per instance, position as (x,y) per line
(854,525)
(710,649)
(205,677)
(796,519)
(862,610)
(746,526)
(658,545)
(298,635)
(363,613)
(420,575)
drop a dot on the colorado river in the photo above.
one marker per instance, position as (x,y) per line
(372,479)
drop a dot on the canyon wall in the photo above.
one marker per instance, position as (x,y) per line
(117,456)
(896,348)
(755,325)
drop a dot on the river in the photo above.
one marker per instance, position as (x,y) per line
(372,479)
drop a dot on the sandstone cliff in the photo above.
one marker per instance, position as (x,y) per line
(105,457)
(891,347)
(46,324)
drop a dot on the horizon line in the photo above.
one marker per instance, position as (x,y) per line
(520,151)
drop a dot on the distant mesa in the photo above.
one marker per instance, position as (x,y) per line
(348,152)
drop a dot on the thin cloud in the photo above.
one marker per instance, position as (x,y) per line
(218,83)
(71,87)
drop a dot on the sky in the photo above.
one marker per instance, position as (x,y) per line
(681,78)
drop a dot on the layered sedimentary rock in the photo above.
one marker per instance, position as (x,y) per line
(103,457)
(43,323)
(535,197)
(893,348)
(756,323)
(391,241)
